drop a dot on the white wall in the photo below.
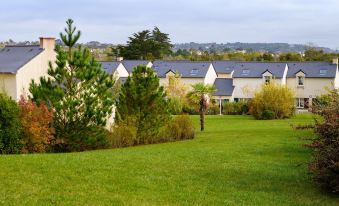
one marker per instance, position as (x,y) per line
(121,71)
(8,85)
(211,75)
(33,70)
(312,86)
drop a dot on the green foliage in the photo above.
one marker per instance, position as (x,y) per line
(236,108)
(123,135)
(10,127)
(313,54)
(146,44)
(272,100)
(290,56)
(325,165)
(37,130)
(200,96)
(176,92)
(180,128)
(78,90)
(142,103)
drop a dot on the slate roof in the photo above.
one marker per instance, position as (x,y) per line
(12,58)
(256,69)
(224,67)
(224,87)
(130,64)
(187,69)
(312,69)
(110,66)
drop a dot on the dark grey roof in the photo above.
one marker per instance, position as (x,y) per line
(224,87)
(256,69)
(186,69)
(312,69)
(224,67)
(110,66)
(130,64)
(12,58)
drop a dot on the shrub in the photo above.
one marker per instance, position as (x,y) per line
(179,128)
(10,127)
(36,123)
(325,166)
(81,139)
(272,100)
(123,135)
(175,105)
(236,107)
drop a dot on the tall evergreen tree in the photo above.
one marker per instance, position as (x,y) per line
(146,45)
(143,103)
(78,91)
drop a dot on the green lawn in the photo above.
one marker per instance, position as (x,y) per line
(236,161)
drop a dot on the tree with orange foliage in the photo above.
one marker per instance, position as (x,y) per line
(36,125)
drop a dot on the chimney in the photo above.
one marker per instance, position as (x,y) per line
(335,61)
(47,43)
(119,59)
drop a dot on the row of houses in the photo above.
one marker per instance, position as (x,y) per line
(234,80)
(237,81)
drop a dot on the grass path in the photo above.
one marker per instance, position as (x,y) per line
(236,161)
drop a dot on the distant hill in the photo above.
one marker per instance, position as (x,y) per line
(264,47)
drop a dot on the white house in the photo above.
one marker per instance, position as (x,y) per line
(311,79)
(190,72)
(249,76)
(19,65)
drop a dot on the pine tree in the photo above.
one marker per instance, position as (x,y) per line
(78,90)
(142,103)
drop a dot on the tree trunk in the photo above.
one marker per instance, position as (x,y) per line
(202,114)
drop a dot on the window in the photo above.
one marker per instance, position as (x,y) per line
(194,72)
(301,80)
(245,71)
(267,79)
(323,71)
(300,103)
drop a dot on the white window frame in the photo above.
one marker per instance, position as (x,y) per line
(298,81)
(300,103)
(267,79)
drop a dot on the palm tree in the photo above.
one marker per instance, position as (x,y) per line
(201,94)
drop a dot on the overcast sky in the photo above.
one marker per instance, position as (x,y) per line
(221,21)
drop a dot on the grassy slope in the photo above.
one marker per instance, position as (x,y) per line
(236,161)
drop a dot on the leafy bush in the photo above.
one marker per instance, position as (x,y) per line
(325,166)
(175,105)
(272,100)
(10,127)
(123,135)
(213,107)
(36,123)
(180,128)
(82,139)
(236,107)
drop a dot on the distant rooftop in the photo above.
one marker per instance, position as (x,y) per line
(130,64)
(187,69)
(256,69)
(224,87)
(224,67)
(110,66)
(312,69)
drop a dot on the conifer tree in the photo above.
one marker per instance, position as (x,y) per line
(80,93)
(142,103)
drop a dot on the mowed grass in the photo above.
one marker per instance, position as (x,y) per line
(236,161)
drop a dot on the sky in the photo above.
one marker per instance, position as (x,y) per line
(220,21)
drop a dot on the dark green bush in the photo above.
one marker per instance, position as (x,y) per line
(325,166)
(267,114)
(179,128)
(236,108)
(10,128)
(87,138)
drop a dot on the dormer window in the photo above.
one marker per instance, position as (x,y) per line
(267,79)
(301,80)
(245,71)
(194,72)
(323,71)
